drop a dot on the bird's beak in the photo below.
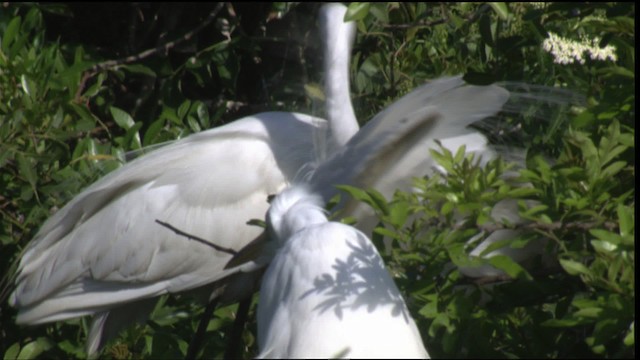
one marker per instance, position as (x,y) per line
(257,251)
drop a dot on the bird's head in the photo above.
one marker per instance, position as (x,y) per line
(292,210)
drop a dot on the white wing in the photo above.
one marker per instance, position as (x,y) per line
(394,146)
(104,254)
(106,241)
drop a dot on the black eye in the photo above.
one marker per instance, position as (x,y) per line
(270,198)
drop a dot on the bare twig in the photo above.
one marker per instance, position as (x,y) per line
(146,53)
(198,336)
(238,326)
(428,24)
(558,225)
(538,273)
(198,239)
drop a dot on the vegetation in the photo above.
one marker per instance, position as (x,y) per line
(79,92)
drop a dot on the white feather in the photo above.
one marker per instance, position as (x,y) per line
(326,293)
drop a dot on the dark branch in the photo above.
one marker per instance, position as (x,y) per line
(146,53)
(558,225)
(200,240)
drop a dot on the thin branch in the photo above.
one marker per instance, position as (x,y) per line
(196,341)
(200,240)
(146,53)
(547,227)
(428,24)
(493,279)
(235,339)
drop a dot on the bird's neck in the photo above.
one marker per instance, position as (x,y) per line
(338,39)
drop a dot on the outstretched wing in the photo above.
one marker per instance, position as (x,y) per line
(104,248)
(394,146)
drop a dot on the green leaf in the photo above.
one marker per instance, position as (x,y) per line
(617,70)
(139,69)
(183,109)
(398,213)
(603,246)
(203,115)
(121,117)
(510,267)
(27,169)
(356,193)
(613,169)
(593,312)
(629,339)
(152,135)
(574,268)
(500,9)
(132,137)
(430,310)
(625,220)
(564,322)
(12,352)
(33,349)
(10,33)
(314,92)
(379,200)
(380,12)
(386,232)
(606,236)
(357,11)
(28,87)
(533,210)
(194,125)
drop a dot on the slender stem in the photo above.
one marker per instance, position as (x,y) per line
(198,239)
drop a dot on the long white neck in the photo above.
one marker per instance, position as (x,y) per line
(339,37)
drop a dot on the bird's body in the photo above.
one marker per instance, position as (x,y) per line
(103,253)
(105,233)
(104,249)
(384,157)
(326,293)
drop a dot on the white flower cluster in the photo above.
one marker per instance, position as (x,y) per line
(566,51)
(541,5)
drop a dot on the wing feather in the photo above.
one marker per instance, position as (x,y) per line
(106,240)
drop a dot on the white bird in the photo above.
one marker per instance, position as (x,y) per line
(104,255)
(455,103)
(327,294)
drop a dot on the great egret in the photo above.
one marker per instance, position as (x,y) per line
(102,254)
(327,294)
(352,164)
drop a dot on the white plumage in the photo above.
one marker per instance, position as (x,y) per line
(103,254)
(326,293)
(104,250)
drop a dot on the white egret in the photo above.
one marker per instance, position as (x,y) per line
(327,294)
(338,37)
(104,255)
(351,164)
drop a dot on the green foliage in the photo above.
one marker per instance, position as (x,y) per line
(69,114)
